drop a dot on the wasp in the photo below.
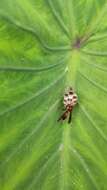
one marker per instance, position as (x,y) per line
(69,101)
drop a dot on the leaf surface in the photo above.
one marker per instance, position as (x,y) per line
(45,47)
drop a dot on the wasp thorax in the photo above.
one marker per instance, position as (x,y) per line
(70,98)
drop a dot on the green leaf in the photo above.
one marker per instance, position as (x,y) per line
(45,47)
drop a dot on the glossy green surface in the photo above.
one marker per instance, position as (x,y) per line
(40,55)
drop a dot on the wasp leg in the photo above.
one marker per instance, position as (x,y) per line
(70,116)
(63,116)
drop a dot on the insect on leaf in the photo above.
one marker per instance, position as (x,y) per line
(47,46)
